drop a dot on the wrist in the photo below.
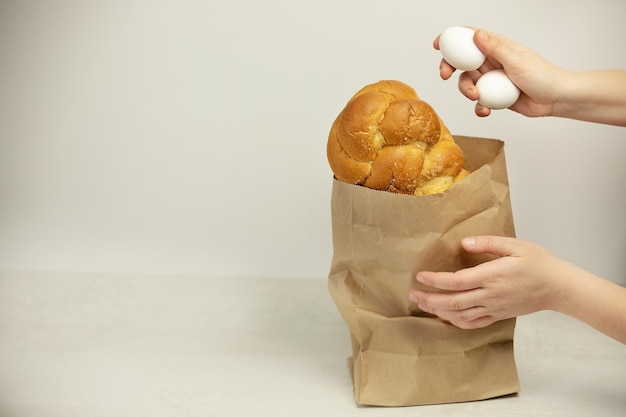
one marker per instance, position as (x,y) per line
(594,96)
(564,288)
(567,94)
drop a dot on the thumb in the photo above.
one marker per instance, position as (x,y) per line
(498,47)
(493,245)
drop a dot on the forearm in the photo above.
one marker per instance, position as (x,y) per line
(594,96)
(594,301)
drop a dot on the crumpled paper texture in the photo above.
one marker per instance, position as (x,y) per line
(402,356)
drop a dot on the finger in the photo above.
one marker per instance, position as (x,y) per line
(493,245)
(436,43)
(467,84)
(450,281)
(482,111)
(478,323)
(472,318)
(495,45)
(448,301)
(445,70)
(488,65)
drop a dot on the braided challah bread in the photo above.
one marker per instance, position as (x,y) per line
(386,138)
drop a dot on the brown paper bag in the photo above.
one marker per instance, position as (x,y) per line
(402,356)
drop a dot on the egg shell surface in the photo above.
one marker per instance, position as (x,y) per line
(496,90)
(457,47)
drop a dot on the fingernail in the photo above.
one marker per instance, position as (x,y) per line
(423,307)
(472,93)
(469,241)
(413,298)
(482,35)
(420,279)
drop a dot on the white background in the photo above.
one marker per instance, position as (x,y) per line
(189,137)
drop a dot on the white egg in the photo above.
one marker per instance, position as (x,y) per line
(457,47)
(496,90)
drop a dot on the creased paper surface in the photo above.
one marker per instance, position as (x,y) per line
(400,355)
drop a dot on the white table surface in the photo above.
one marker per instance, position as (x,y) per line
(93,345)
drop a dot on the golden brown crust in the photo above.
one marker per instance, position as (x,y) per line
(397,169)
(386,138)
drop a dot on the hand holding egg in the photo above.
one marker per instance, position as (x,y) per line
(495,89)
